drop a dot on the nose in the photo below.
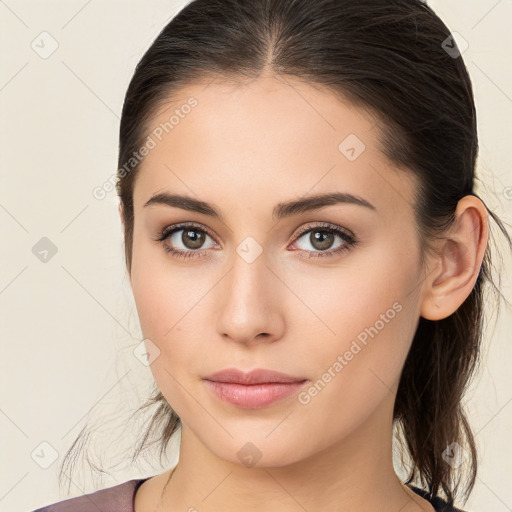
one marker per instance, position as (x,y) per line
(251,305)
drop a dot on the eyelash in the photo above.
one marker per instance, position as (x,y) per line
(349,240)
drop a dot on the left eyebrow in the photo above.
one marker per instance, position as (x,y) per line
(316,202)
(282,210)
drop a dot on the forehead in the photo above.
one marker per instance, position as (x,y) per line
(272,139)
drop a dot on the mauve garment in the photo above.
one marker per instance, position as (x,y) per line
(120,498)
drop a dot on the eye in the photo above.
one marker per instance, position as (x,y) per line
(322,238)
(184,241)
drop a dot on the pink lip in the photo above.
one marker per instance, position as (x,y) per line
(252,390)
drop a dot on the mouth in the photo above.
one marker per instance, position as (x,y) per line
(256,376)
(255,389)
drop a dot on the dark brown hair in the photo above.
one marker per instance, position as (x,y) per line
(389,57)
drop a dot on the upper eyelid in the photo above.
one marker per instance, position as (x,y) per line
(323,225)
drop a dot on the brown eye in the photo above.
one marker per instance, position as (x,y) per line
(184,241)
(192,238)
(322,241)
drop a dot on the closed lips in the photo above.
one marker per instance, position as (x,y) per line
(257,376)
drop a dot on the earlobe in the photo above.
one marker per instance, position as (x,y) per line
(459,260)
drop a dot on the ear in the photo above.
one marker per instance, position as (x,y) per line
(458,261)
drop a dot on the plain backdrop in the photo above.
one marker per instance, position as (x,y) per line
(68,324)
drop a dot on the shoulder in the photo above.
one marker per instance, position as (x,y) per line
(118,498)
(438,503)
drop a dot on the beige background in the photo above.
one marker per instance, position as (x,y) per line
(68,326)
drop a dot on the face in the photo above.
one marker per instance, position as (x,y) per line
(330,295)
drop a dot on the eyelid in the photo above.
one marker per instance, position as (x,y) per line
(323,225)
(164,233)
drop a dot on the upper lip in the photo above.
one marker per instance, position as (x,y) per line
(256,376)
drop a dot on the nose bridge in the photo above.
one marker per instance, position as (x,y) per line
(249,268)
(248,280)
(249,305)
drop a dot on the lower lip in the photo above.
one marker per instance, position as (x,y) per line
(255,395)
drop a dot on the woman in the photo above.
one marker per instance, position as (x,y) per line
(307,255)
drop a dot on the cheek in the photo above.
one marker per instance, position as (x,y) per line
(153,307)
(163,292)
(165,307)
(368,318)
(161,302)
(365,289)
(171,305)
(358,370)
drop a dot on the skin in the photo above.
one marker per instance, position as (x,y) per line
(245,148)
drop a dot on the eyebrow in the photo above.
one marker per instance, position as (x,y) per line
(281,210)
